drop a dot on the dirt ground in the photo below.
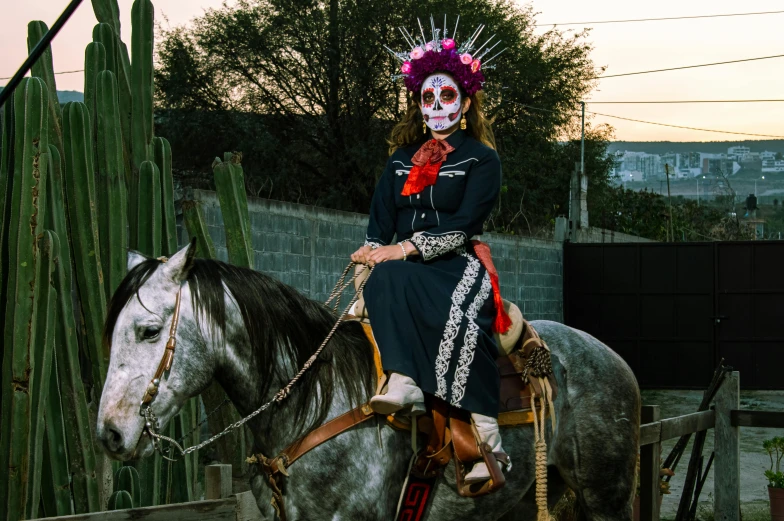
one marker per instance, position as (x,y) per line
(753,458)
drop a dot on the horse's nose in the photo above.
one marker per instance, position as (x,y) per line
(111,437)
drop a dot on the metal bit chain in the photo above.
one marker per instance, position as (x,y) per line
(151,425)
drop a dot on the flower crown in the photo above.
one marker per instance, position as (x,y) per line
(443,54)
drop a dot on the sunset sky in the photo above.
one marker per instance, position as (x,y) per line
(622,47)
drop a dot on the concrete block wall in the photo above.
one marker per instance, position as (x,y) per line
(308,247)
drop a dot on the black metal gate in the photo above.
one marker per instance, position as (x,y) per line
(673,310)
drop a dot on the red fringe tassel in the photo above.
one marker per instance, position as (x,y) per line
(502,322)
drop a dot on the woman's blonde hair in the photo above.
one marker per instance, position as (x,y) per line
(409,131)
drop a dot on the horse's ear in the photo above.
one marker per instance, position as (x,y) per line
(177,268)
(134,259)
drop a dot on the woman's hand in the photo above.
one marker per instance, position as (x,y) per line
(361,255)
(385,253)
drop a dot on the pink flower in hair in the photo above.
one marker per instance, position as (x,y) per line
(416,53)
(429,46)
(475,65)
(466,59)
(405,68)
(447,44)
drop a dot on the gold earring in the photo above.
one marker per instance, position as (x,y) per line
(463,123)
(424,127)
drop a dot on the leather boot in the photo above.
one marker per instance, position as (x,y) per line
(488,431)
(402,395)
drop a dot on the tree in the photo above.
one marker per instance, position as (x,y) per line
(303,89)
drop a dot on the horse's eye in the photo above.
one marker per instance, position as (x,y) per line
(151,332)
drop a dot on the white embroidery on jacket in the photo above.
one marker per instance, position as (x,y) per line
(373,243)
(453,323)
(469,342)
(431,246)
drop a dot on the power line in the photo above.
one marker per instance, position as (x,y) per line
(577,114)
(661,19)
(63,72)
(684,127)
(691,66)
(685,101)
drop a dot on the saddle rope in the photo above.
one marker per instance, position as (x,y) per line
(540,447)
(151,424)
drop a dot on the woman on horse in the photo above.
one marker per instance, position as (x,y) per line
(431,300)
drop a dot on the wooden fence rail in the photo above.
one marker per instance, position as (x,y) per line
(219,505)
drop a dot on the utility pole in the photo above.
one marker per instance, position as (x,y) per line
(670,233)
(582,142)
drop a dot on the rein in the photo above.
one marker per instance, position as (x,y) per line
(151,421)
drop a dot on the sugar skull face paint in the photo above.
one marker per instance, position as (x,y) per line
(441,102)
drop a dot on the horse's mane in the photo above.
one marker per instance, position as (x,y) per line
(276,317)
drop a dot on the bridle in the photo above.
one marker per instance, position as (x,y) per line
(145,410)
(151,426)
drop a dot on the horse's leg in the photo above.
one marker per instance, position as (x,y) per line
(596,453)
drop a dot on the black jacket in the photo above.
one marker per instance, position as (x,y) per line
(447,213)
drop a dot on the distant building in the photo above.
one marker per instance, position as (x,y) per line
(738,153)
(771,165)
(767,155)
(718,164)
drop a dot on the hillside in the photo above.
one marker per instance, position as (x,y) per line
(66,95)
(710,147)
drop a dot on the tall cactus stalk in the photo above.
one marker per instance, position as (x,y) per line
(56,464)
(141,90)
(230,185)
(43,347)
(141,80)
(104,34)
(6,167)
(81,455)
(163,159)
(108,12)
(26,224)
(44,69)
(148,216)
(94,62)
(81,199)
(110,184)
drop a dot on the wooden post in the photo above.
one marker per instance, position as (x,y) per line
(217,481)
(650,463)
(726,487)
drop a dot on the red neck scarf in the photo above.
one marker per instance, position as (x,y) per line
(427,162)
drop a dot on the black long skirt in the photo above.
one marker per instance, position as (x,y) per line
(432,321)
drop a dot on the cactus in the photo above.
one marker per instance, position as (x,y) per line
(41,361)
(108,12)
(94,62)
(163,159)
(196,227)
(80,195)
(6,167)
(26,224)
(110,184)
(230,185)
(81,455)
(104,34)
(120,500)
(141,81)
(44,69)
(56,454)
(148,216)
(150,479)
(127,478)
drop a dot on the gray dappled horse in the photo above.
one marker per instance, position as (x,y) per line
(251,333)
